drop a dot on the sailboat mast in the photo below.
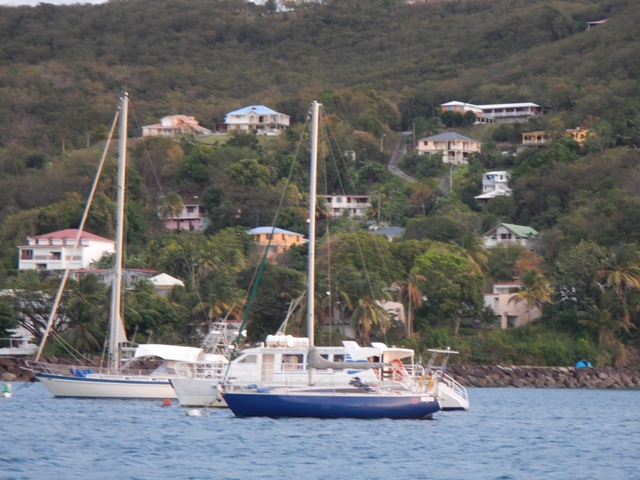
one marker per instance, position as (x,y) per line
(116,293)
(311,275)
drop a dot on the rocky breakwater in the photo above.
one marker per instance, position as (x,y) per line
(545,377)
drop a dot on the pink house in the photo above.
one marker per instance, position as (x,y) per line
(175,126)
(190,217)
(508,311)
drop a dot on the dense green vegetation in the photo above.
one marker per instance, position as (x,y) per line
(377,67)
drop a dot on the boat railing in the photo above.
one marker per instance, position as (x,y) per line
(49,368)
(457,388)
(201,370)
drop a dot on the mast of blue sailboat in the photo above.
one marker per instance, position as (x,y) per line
(116,329)
(315,107)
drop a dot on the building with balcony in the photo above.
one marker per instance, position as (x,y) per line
(499,112)
(351,205)
(541,138)
(506,233)
(257,119)
(175,126)
(455,148)
(190,217)
(54,251)
(508,311)
(494,184)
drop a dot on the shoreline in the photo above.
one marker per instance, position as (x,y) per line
(496,376)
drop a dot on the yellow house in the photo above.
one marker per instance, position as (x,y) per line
(455,148)
(281,239)
(540,138)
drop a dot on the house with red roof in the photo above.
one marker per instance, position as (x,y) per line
(55,250)
(175,126)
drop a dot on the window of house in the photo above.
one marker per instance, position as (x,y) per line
(26,255)
(503,236)
(41,266)
(56,256)
(191,209)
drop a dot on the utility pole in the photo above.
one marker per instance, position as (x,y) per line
(382,142)
(414,135)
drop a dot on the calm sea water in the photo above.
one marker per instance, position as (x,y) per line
(508,434)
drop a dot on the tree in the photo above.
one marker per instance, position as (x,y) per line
(622,273)
(534,291)
(8,319)
(410,291)
(87,311)
(171,206)
(604,320)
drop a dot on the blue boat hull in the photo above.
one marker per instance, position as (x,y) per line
(250,404)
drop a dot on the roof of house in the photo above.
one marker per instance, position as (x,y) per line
(389,231)
(71,233)
(164,280)
(269,230)
(519,230)
(493,194)
(259,109)
(448,136)
(508,105)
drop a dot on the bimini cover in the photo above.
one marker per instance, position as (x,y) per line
(286,341)
(356,352)
(169,352)
(391,353)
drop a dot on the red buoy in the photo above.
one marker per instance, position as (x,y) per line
(166,403)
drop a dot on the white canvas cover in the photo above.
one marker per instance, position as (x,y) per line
(170,352)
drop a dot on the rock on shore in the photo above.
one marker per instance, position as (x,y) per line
(545,377)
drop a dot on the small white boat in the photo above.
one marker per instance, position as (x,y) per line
(18,344)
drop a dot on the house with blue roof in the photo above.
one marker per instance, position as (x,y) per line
(258,119)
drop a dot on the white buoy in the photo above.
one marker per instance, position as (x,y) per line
(6,391)
(194,413)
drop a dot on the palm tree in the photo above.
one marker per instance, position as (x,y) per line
(603,318)
(476,252)
(172,204)
(622,274)
(87,310)
(410,291)
(534,291)
(367,311)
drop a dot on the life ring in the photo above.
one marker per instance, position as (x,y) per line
(398,368)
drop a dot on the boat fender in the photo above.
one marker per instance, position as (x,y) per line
(426,378)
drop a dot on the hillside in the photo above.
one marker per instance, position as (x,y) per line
(378,68)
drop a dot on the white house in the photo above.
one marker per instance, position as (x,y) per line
(498,112)
(354,205)
(190,217)
(258,119)
(455,148)
(130,276)
(53,251)
(494,184)
(163,283)
(175,126)
(509,312)
(506,233)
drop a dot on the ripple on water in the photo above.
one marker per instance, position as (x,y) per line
(508,434)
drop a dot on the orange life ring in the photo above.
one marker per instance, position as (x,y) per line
(398,368)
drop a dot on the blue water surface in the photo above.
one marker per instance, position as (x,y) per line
(508,434)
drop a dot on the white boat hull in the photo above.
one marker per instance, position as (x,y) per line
(107,386)
(197,393)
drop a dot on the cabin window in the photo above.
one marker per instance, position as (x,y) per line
(248,359)
(338,358)
(292,362)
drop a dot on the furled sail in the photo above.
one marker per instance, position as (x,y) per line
(316,361)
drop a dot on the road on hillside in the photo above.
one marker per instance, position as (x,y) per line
(401,149)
